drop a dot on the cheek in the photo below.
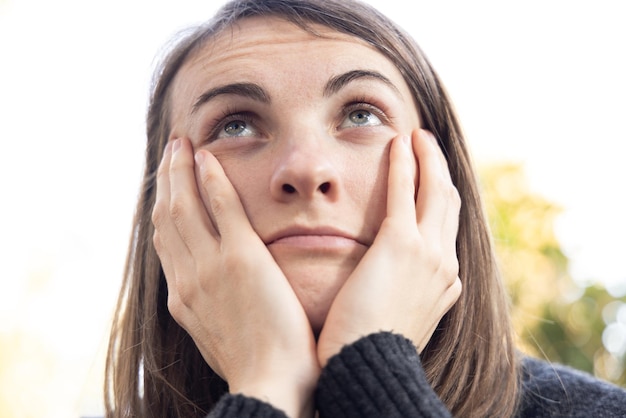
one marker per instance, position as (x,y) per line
(366,184)
(250,179)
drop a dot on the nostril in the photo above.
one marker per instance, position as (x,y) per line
(288,188)
(324,187)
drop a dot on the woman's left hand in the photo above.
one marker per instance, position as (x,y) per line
(408,279)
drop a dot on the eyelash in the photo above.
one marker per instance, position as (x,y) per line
(365,104)
(227,116)
(231,114)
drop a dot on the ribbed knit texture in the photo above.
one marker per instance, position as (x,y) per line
(377,376)
(381,376)
(242,406)
(552,390)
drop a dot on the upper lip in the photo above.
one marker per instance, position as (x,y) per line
(302,230)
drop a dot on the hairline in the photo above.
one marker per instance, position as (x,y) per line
(220,28)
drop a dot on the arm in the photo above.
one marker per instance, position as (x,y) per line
(242,406)
(198,237)
(379,375)
(556,390)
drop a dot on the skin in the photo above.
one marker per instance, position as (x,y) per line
(297,200)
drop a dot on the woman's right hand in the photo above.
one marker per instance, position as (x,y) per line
(224,287)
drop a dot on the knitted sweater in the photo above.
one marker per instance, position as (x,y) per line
(381,376)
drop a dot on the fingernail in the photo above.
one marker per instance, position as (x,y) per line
(406,140)
(199,157)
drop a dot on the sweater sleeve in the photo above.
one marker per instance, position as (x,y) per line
(242,406)
(377,376)
(552,390)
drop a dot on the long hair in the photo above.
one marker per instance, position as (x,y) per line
(153,366)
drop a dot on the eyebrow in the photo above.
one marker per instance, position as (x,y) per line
(340,81)
(249,90)
(255,92)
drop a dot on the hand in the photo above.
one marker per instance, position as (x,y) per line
(224,287)
(408,279)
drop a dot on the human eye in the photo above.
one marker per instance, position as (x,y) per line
(233,125)
(358,115)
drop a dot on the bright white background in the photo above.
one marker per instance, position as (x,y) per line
(537,82)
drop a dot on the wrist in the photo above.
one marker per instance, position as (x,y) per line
(284,388)
(293,401)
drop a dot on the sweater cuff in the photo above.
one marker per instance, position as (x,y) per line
(378,375)
(243,406)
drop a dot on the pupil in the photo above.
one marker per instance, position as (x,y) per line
(360,116)
(235,127)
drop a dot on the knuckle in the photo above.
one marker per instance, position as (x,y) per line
(158,214)
(219,205)
(175,306)
(451,295)
(178,208)
(233,263)
(450,269)
(455,290)
(156,242)
(455,197)
(230,263)
(183,293)
(207,177)
(433,258)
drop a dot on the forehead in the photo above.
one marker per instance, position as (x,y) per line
(275,52)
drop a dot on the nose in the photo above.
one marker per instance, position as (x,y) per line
(304,169)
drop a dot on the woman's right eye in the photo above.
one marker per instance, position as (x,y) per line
(238,125)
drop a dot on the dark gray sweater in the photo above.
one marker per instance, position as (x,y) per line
(381,376)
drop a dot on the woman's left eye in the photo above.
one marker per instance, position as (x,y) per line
(360,117)
(236,128)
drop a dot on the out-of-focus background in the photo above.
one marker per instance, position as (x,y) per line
(540,89)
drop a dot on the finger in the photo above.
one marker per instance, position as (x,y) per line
(447,178)
(186,208)
(450,225)
(401,181)
(165,230)
(222,201)
(203,191)
(166,239)
(436,198)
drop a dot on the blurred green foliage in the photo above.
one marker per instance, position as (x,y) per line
(555,319)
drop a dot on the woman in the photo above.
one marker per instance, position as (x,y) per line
(310,236)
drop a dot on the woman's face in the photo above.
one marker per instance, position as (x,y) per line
(301,125)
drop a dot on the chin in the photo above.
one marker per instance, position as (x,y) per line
(316,283)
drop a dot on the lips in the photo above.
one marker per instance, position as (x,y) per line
(324,237)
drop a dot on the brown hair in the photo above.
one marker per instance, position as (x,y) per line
(153,366)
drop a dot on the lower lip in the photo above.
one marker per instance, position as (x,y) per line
(312,242)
